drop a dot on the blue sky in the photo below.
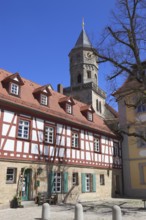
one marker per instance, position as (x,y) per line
(36,36)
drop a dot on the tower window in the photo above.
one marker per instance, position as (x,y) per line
(79,78)
(98,106)
(89,74)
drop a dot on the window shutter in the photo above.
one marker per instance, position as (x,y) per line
(77,176)
(65,182)
(93,182)
(83,182)
(51,181)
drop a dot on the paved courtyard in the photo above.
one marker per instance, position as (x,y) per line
(99,210)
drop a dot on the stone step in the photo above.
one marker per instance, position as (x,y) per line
(28,204)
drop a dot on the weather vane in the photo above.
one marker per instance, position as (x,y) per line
(83,24)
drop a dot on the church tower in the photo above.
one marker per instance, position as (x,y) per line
(83,62)
(84,75)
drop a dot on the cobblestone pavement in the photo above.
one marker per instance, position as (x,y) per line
(99,210)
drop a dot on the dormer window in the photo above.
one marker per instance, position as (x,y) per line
(42,93)
(14,89)
(89,116)
(68,108)
(87,111)
(13,84)
(43,99)
(67,104)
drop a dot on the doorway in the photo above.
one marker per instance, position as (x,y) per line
(26,188)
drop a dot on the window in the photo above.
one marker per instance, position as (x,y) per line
(142,106)
(11,175)
(57,183)
(87,183)
(79,79)
(43,99)
(98,106)
(68,108)
(75,139)
(89,116)
(23,129)
(14,89)
(49,134)
(102,182)
(115,148)
(96,144)
(89,74)
(75,179)
(142,137)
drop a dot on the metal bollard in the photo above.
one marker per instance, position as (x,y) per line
(116,213)
(45,211)
(78,212)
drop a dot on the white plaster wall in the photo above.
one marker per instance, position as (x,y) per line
(9,145)
(5,129)
(19,146)
(39,124)
(68,153)
(46,150)
(68,142)
(8,116)
(60,129)
(12,131)
(26,147)
(68,130)
(82,134)
(34,149)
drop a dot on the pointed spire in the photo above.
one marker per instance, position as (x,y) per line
(83,40)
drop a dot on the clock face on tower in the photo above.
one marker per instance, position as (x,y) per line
(89,55)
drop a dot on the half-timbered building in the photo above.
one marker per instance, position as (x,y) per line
(53,143)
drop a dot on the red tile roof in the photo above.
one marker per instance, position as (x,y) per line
(129,85)
(54,110)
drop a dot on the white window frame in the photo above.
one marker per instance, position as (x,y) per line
(14,88)
(11,175)
(68,108)
(97,144)
(75,139)
(141,141)
(75,179)
(57,183)
(49,134)
(89,116)
(141,107)
(102,180)
(115,148)
(87,182)
(44,99)
(23,129)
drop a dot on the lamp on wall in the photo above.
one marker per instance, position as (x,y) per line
(39,170)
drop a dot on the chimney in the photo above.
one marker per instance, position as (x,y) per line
(60,88)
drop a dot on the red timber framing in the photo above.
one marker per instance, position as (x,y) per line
(61,150)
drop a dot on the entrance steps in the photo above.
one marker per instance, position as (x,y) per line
(28,204)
